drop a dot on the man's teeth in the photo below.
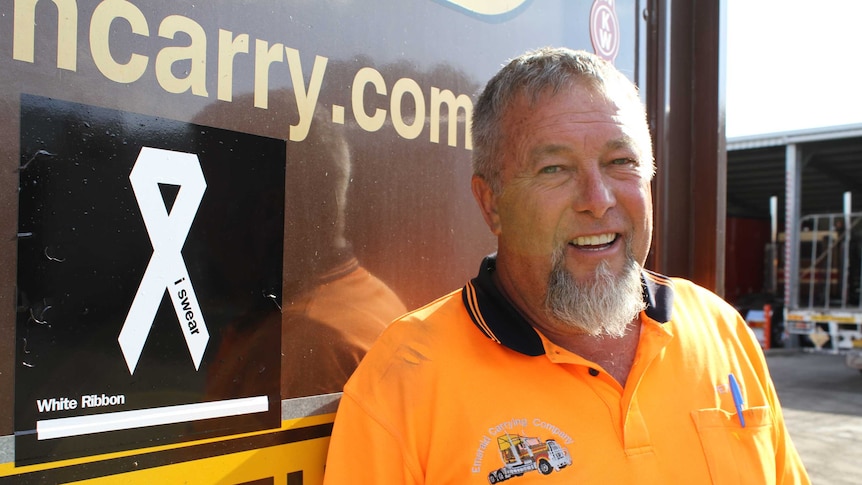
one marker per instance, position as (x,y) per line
(598,240)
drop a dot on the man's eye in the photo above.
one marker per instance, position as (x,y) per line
(624,161)
(550,169)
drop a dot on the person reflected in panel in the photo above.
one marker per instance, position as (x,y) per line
(332,308)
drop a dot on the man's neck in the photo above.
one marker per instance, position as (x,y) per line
(614,354)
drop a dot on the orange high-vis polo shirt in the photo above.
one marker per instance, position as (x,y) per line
(465,391)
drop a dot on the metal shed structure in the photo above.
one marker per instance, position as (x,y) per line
(802,189)
(816,165)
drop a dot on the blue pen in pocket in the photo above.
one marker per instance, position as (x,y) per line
(737,399)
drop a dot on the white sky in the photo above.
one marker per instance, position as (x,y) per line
(793,64)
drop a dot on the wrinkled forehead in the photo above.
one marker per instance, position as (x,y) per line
(618,100)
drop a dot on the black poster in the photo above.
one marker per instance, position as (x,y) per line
(149,281)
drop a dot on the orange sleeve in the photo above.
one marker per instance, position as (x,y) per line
(355,456)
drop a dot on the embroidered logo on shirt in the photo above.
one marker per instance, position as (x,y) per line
(520,452)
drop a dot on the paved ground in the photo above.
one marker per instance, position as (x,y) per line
(822,402)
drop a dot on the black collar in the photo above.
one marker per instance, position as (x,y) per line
(498,319)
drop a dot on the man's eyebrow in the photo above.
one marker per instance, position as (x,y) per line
(546,150)
(623,142)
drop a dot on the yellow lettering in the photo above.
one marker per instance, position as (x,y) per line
(438,98)
(264,56)
(338,114)
(24,38)
(402,87)
(228,48)
(183,68)
(195,53)
(365,76)
(306,99)
(100,30)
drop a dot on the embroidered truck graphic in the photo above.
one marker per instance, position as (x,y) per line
(521,454)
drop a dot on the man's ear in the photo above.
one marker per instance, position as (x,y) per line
(487,200)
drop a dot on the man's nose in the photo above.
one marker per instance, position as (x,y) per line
(593,194)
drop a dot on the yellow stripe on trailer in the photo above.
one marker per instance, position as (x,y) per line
(292,455)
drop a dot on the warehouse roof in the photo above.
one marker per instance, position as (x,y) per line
(831,160)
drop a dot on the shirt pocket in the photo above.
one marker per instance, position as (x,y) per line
(737,455)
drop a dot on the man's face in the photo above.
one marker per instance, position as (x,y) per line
(573,181)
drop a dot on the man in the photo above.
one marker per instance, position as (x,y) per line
(564,361)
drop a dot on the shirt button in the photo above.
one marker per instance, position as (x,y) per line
(594,372)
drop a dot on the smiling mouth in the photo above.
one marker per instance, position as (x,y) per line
(594,243)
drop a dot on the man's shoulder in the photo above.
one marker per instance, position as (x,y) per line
(440,307)
(698,307)
(414,351)
(691,299)
(424,330)
(687,290)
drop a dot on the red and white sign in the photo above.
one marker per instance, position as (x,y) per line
(605,29)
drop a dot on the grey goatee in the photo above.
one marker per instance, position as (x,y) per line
(604,305)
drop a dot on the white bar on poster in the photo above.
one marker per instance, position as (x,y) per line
(140,418)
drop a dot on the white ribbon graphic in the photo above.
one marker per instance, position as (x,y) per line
(166,269)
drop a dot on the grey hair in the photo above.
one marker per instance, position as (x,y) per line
(532,74)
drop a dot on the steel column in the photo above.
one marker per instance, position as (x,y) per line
(685,100)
